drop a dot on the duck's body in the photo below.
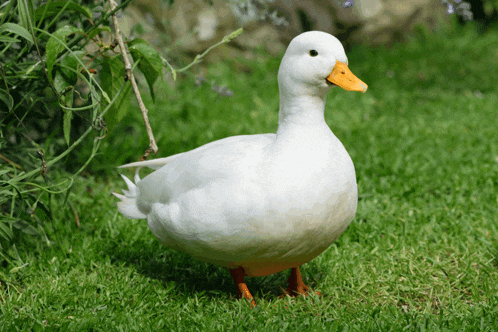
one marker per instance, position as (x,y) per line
(265,207)
(261,203)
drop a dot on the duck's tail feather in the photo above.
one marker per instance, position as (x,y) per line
(128,202)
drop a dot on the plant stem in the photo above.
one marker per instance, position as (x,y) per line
(198,57)
(129,73)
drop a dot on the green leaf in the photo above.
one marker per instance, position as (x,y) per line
(71,61)
(56,44)
(16,269)
(7,99)
(66,91)
(150,63)
(106,97)
(16,29)
(68,116)
(5,230)
(4,171)
(63,86)
(112,76)
(98,30)
(6,194)
(64,82)
(25,9)
(5,39)
(25,227)
(233,35)
(136,41)
(96,98)
(53,8)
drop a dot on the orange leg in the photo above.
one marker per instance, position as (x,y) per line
(296,284)
(238,275)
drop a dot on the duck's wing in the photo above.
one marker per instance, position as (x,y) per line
(230,159)
(223,145)
(153,164)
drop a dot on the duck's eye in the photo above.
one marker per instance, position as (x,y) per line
(313,53)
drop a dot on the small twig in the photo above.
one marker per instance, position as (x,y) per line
(10,162)
(146,155)
(129,74)
(76,216)
(225,40)
(198,57)
(173,70)
(284,291)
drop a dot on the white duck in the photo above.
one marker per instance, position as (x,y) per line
(260,204)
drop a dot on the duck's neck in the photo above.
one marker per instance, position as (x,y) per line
(299,112)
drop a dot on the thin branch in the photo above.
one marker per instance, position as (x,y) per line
(129,73)
(173,70)
(198,57)
(10,162)
(76,216)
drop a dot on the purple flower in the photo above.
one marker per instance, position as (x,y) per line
(349,3)
(459,7)
(450,10)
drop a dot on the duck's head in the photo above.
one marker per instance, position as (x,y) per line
(314,62)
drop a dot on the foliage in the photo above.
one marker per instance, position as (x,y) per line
(51,101)
(61,80)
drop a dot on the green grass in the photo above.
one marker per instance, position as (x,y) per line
(421,254)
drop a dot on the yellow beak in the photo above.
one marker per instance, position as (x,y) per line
(343,77)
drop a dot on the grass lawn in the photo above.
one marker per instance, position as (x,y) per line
(421,254)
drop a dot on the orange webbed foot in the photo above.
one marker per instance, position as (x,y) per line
(238,275)
(296,285)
